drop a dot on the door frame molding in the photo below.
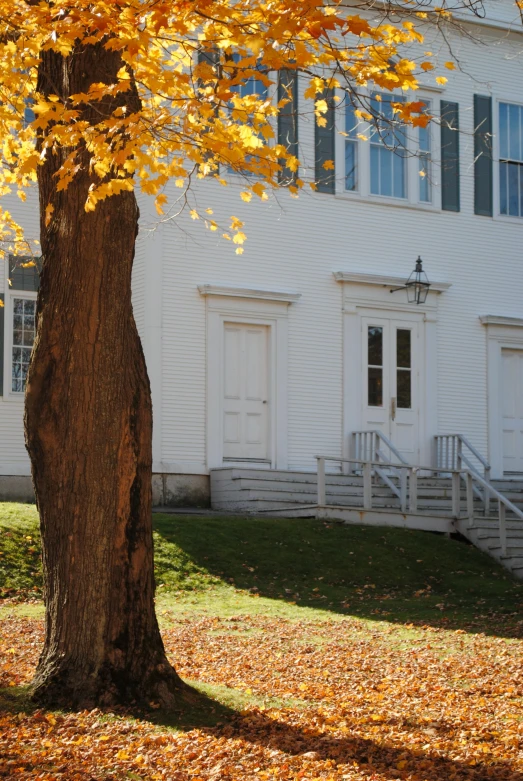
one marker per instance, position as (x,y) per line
(363,292)
(249,307)
(502,333)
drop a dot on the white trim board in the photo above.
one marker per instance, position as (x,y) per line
(383,281)
(502,333)
(246,292)
(256,307)
(367,294)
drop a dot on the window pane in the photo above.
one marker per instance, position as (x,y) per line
(424,133)
(375,346)
(513,189)
(503,130)
(375,395)
(351,121)
(424,183)
(375,169)
(23,338)
(403,389)
(503,187)
(386,159)
(350,165)
(514,132)
(403,358)
(399,174)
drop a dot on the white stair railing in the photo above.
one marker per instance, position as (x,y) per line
(409,490)
(408,483)
(455,452)
(370,446)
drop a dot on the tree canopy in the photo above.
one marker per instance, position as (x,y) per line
(176,110)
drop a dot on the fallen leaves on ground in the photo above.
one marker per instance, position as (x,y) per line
(346,699)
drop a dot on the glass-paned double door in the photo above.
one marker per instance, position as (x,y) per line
(390,393)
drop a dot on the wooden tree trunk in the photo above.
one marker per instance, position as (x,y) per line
(88,429)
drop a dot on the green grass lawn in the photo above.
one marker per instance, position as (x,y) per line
(245,565)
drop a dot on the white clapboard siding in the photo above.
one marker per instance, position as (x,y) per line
(295,245)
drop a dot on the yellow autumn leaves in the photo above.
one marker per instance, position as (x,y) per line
(189,63)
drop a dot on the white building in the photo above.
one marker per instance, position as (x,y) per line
(279,354)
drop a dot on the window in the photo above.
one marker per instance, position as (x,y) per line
(388,144)
(23,338)
(511,159)
(378,156)
(403,369)
(375,366)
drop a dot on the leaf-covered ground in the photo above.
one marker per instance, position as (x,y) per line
(293,685)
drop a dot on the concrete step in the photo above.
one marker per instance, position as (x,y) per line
(493,524)
(433,495)
(511,561)
(334,489)
(237,473)
(515,534)
(512,550)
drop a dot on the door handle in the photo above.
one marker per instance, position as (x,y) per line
(393,409)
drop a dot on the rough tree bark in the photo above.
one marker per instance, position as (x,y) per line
(88,426)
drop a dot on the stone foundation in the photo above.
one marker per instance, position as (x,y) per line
(16,488)
(181,490)
(168,490)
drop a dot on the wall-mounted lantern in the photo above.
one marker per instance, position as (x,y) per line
(417,285)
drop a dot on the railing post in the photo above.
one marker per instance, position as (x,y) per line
(352,452)
(470,496)
(375,456)
(367,485)
(459,450)
(322,497)
(502,527)
(403,490)
(486,492)
(413,490)
(455,494)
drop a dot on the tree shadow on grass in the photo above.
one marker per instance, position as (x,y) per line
(302,745)
(196,709)
(377,573)
(371,756)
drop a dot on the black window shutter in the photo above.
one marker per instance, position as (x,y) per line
(324,147)
(21,278)
(288,118)
(450,200)
(210,56)
(2,332)
(483,155)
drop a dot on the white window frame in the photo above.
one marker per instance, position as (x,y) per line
(495,160)
(10,295)
(363,188)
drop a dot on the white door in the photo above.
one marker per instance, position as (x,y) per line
(512,410)
(245,391)
(391,398)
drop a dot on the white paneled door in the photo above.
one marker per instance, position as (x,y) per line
(246,388)
(391,398)
(512,409)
